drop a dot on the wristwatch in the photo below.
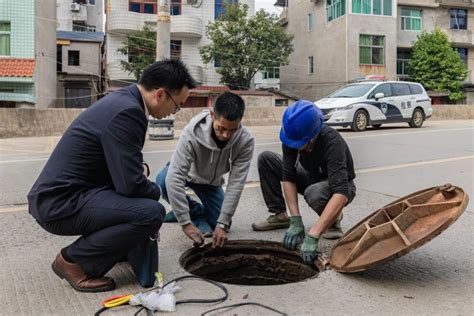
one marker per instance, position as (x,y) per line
(223,226)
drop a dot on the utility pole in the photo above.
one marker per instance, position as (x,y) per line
(163,30)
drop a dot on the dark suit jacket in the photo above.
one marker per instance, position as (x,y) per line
(101,150)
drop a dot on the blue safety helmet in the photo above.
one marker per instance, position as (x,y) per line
(302,121)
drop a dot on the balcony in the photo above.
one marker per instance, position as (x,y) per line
(78,12)
(461,37)
(197,73)
(187,26)
(128,22)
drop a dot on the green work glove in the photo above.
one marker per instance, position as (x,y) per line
(295,234)
(309,249)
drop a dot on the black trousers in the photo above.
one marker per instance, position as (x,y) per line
(111,225)
(270,172)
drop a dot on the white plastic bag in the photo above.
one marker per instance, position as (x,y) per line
(163,300)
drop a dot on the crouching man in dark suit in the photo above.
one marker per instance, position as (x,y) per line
(94,182)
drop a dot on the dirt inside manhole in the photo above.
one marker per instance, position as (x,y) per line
(248,262)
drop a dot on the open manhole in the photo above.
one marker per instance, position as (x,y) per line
(248,262)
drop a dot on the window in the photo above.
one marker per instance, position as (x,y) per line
(73,58)
(462,53)
(4,38)
(371,50)
(335,9)
(92,2)
(175,7)
(81,26)
(383,88)
(219,7)
(143,6)
(352,91)
(403,59)
(310,22)
(415,89)
(59,58)
(374,7)
(399,89)
(310,65)
(411,19)
(271,73)
(175,49)
(458,19)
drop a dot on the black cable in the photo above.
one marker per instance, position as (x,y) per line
(243,304)
(198,301)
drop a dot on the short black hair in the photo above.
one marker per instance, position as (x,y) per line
(170,74)
(230,106)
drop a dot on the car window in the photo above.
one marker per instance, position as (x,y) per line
(352,91)
(416,89)
(399,89)
(383,88)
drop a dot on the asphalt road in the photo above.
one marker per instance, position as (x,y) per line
(436,279)
(393,160)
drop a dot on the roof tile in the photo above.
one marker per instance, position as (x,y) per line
(17,67)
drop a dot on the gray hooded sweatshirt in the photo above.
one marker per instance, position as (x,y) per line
(197,159)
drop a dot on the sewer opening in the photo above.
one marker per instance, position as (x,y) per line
(248,262)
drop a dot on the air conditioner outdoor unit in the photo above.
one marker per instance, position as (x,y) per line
(75,7)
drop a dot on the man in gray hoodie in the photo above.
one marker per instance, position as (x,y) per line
(212,144)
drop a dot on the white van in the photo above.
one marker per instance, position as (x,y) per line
(375,103)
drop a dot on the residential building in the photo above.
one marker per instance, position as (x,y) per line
(79,68)
(342,40)
(188,21)
(27,50)
(80,15)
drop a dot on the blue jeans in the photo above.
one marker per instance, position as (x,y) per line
(211,199)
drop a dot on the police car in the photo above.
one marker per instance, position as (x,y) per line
(373,103)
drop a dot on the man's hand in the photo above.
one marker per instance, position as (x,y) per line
(219,238)
(295,234)
(309,249)
(193,233)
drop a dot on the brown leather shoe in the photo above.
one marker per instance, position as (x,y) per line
(78,279)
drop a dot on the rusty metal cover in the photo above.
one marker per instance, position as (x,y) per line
(398,228)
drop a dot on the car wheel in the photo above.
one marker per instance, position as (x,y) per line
(376,125)
(417,118)
(360,122)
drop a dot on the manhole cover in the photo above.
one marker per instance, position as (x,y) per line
(248,262)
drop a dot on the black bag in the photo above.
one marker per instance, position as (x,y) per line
(144,261)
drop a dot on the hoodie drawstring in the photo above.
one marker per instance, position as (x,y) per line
(212,156)
(230,160)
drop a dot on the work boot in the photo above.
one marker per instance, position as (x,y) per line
(334,231)
(78,279)
(271,223)
(170,217)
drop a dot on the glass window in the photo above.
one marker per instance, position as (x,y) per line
(371,50)
(175,49)
(134,7)
(5,38)
(148,8)
(462,53)
(458,19)
(352,91)
(92,2)
(411,19)
(271,73)
(415,89)
(73,58)
(175,7)
(310,65)
(310,22)
(219,7)
(403,60)
(375,7)
(335,9)
(399,89)
(383,88)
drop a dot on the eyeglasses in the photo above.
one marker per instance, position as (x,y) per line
(176,104)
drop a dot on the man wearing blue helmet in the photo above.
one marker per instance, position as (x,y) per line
(316,163)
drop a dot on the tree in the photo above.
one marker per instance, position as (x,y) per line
(242,46)
(436,65)
(140,47)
